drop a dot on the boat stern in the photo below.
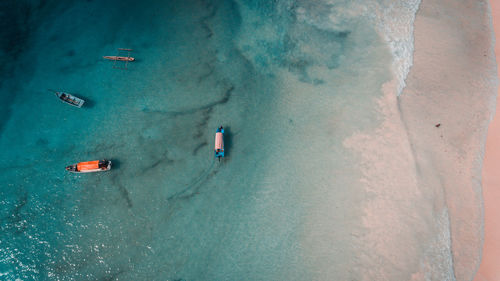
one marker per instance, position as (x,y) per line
(105,165)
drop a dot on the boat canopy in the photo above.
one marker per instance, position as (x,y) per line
(85,166)
(219,143)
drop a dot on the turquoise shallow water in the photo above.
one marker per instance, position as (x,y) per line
(283,204)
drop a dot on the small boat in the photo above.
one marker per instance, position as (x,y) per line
(69,99)
(219,143)
(121,57)
(90,166)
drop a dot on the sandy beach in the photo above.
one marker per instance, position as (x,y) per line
(450,85)
(489,270)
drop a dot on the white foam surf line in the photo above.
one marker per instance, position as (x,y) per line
(437,261)
(395,22)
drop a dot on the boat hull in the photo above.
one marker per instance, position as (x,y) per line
(119,58)
(70,99)
(90,166)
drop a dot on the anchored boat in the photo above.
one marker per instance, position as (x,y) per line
(219,143)
(90,166)
(69,99)
(121,57)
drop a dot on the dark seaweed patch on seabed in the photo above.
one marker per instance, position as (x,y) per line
(296,60)
(223,100)
(210,69)
(199,146)
(158,162)
(200,127)
(156,159)
(204,20)
(193,188)
(122,189)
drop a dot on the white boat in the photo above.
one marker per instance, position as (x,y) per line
(69,99)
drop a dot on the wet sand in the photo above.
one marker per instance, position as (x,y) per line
(489,269)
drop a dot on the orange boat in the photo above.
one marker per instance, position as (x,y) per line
(90,166)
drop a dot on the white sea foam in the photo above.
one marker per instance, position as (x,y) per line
(395,20)
(438,263)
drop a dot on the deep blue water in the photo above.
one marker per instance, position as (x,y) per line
(287,91)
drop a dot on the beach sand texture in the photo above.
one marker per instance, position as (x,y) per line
(490,269)
(451,84)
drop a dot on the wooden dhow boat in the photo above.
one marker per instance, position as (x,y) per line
(90,166)
(121,57)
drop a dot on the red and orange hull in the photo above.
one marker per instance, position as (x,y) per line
(90,166)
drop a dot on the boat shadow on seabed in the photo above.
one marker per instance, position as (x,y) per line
(228,142)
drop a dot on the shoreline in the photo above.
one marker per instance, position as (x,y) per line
(488,270)
(446,109)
